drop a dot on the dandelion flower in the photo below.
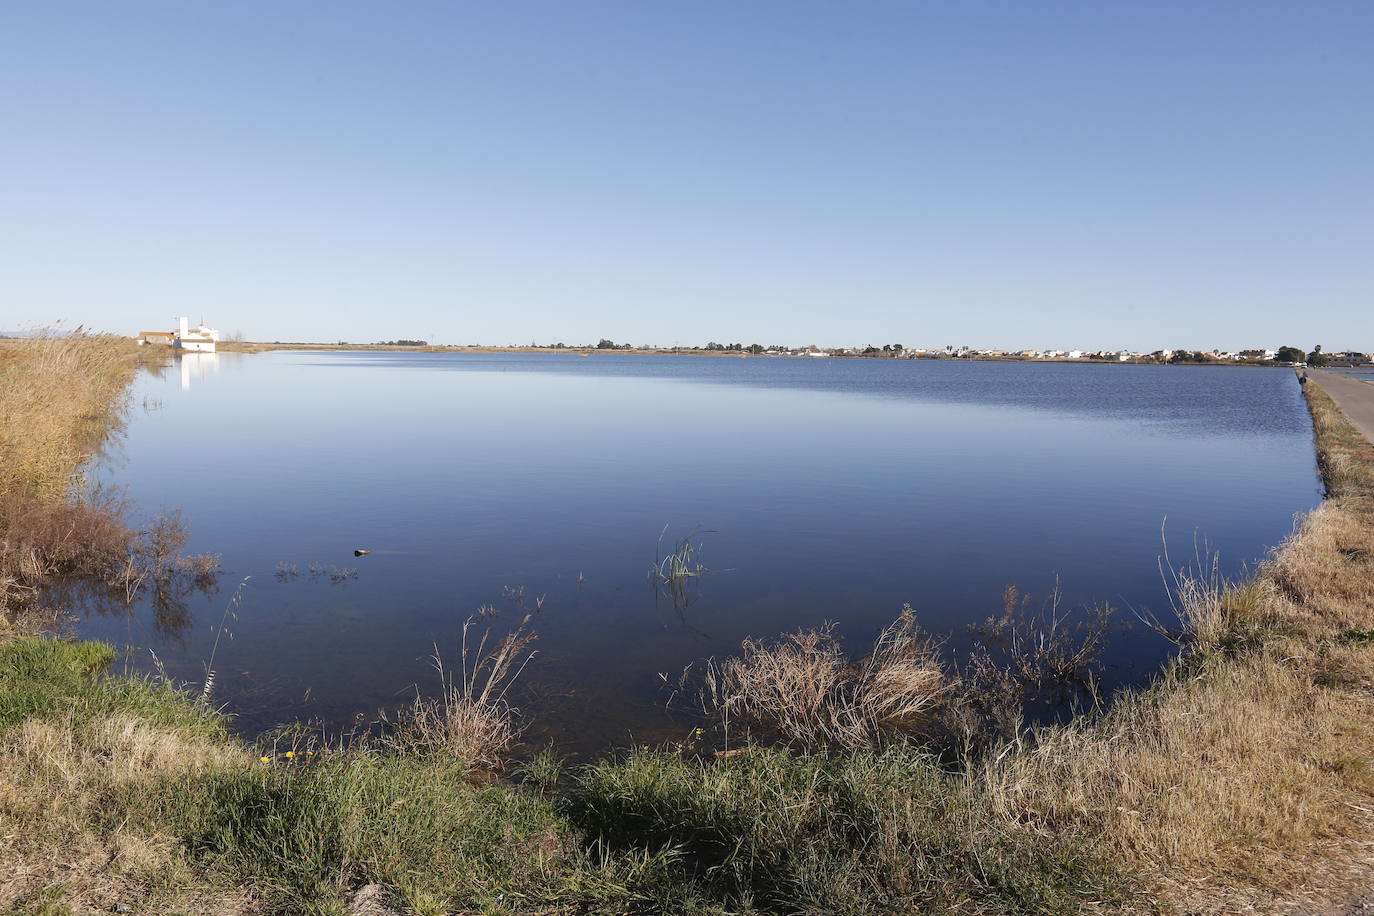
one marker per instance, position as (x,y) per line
(290,754)
(264,759)
(310,753)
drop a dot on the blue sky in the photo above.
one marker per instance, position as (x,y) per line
(1001,174)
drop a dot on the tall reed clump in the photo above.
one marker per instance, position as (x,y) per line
(804,690)
(61,396)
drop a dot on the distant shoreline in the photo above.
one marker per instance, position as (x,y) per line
(261,347)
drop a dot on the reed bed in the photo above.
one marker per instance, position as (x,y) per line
(62,395)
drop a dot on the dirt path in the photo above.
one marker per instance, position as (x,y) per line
(1353,396)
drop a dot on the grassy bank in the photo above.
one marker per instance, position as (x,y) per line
(1240,777)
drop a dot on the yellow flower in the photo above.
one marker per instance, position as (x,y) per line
(646,747)
(310,753)
(264,759)
(698,731)
(290,754)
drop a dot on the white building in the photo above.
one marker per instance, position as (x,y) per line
(198,340)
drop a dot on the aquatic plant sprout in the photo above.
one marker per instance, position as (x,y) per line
(682,563)
(675,573)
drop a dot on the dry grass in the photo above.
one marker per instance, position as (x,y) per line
(1231,775)
(1324,574)
(1346,458)
(58,779)
(803,688)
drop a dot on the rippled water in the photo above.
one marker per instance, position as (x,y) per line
(819,489)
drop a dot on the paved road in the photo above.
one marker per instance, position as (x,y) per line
(1354,397)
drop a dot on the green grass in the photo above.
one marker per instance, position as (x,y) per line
(48,678)
(1356,637)
(860,832)
(47,902)
(303,834)
(767,831)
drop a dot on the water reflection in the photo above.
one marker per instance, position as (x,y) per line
(192,365)
(153,588)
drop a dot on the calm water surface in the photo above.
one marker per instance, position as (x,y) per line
(820,490)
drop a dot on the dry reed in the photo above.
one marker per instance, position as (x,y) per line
(803,687)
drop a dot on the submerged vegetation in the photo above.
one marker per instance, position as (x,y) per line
(1240,777)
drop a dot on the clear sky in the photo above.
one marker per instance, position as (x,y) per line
(1194,174)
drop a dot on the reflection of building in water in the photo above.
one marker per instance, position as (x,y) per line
(200,339)
(198,365)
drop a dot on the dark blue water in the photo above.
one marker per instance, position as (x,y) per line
(821,489)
